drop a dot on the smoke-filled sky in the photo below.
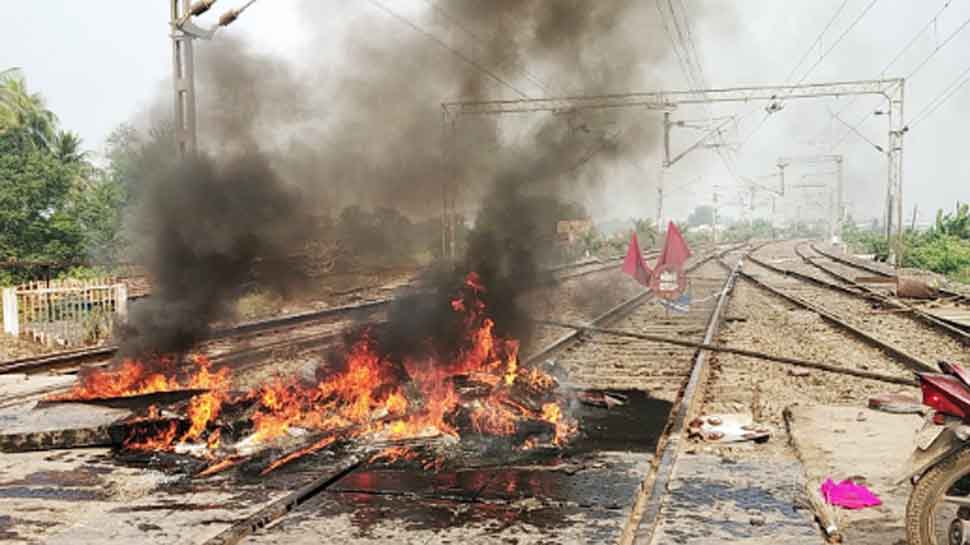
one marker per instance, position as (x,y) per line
(102,63)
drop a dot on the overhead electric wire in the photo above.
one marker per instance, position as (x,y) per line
(932,21)
(817,41)
(822,57)
(854,128)
(940,99)
(838,41)
(445,46)
(937,49)
(482,41)
(691,70)
(857,132)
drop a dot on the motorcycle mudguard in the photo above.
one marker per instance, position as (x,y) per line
(921,460)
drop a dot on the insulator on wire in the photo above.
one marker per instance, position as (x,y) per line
(228,17)
(200,7)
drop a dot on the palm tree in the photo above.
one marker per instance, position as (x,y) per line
(67,147)
(20,108)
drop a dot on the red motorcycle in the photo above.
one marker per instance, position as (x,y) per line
(938,512)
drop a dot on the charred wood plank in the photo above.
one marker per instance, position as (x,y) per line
(132,403)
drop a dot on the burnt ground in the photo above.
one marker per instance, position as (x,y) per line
(583,494)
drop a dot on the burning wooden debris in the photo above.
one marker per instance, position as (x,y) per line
(478,395)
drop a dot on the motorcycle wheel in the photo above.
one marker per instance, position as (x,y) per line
(938,512)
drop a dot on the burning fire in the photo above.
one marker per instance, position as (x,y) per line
(480,389)
(132,377)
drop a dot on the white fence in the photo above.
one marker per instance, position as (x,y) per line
(64,312)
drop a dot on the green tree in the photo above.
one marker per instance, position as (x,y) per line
(702,215)
(35,219)
(21,108)
(67,148)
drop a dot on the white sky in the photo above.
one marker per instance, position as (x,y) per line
(100,62)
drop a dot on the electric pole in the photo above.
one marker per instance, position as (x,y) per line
(183,76)
(715,218)
(184,31)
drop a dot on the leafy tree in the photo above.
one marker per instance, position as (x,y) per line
(702,215)
(21,108)
(67,148)
(35,219)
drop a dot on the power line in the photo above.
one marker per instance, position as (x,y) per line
(838,40)
(940,99)
(691,69)
(856,131)
(817,40)
(482,41)
(445,46)
(824,54)
(940,46)
(930,23)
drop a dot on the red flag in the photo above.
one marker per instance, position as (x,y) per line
(633,263)
(675,250)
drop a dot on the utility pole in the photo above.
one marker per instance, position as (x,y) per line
(183,76)
(714,234)
(660,199)
(184,31)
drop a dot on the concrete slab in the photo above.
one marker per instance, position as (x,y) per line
(848,441)
(719,500)
(42,493)
(185,510)
(16,387)
(28,427)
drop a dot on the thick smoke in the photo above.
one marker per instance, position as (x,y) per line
(363,126)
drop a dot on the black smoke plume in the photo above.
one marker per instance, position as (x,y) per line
(360,124)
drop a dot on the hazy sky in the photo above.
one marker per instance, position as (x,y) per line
(101,62)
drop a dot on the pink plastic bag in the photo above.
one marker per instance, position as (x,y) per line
(849,495)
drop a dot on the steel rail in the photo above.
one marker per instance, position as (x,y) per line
(616,312)
(879,272)
(75,358)
(675,434)
(913,362)
(864,291)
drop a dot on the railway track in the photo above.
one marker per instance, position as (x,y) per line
(291,341)
(329,496)
(284,505)
(907,335)
(581,357)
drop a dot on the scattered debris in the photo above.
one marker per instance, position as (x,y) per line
(727,428)
(848,494)
(899,403)
(911,288)
(597,398)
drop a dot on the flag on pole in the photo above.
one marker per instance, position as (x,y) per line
(675,251)
(633,263)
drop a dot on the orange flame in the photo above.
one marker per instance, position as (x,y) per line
(371,393)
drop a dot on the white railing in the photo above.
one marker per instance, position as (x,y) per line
(64,312)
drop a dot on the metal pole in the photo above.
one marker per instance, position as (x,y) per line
(666,159)
(840,200)
(183,76)
(715,218)
(896,160)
